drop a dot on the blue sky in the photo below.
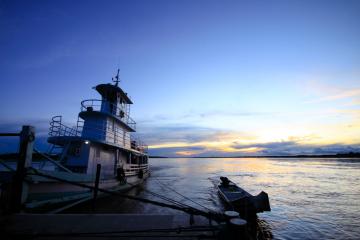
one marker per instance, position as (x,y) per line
(207,77)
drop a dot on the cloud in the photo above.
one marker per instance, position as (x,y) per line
(187,134)
(178,151)
(295,148)
(221,113)
(199,116)
(199,141)
(284,148)
(11,144)
(189,140)
(345,94)
(41,125)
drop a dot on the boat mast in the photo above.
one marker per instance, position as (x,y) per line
(117,78)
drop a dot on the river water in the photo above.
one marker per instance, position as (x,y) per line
(310,198)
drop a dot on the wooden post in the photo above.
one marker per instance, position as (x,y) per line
(27,138)
(231,214)
(238,228)
(97,179)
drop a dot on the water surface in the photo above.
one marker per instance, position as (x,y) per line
(310,198)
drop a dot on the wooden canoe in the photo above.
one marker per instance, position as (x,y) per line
(241,201)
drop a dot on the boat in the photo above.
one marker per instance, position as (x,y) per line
(103,135)
(241,201)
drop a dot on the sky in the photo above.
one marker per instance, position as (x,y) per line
(207,78)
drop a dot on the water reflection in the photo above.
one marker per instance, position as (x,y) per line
(264,230)
(310,198)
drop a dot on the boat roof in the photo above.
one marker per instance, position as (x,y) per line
(108,88)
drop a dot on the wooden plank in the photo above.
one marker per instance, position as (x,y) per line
(80,223)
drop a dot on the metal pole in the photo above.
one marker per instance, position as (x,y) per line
(97,179)
(27,137)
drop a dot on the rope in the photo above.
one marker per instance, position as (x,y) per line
(6,166)
(185,197)
(2,162)
(52,161)
(153,193)
(193,211)
(164,198)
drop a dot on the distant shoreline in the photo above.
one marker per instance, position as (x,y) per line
(339,155)
(8,156)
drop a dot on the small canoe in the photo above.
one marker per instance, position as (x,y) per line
(241,201)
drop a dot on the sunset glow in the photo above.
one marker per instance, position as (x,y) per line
(207,78)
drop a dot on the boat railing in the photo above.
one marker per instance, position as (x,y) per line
(102,132)
(57,128)
(134,168)
(111,134)
(106,133)
(108,107)
(138,145)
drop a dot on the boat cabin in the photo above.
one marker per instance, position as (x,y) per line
(102,135)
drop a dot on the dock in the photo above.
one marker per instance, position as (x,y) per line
(193,223)
(104,226)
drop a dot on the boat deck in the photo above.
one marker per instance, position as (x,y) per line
(103,226)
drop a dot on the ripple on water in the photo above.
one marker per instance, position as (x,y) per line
(310,198)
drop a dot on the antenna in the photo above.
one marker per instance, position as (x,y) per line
(116,79)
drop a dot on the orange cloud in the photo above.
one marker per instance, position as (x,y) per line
(187,153)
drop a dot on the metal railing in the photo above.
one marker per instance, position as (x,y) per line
(103,132)
(106,133)
(138,145)
(59,129)
(108,107)
(132,169)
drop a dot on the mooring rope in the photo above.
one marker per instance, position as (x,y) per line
(152,193)
(163,197)
(52,161)
(219,217)
(2,162)
(185,197)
